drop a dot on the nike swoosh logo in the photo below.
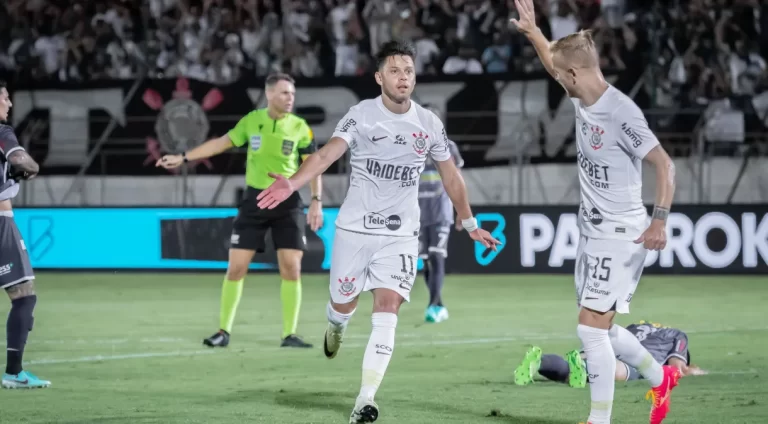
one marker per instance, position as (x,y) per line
(23,382)
(379,138)
(383,353)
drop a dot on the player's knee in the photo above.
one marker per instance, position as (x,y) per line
(290,271)
(236,271)
(386,301)
(21,290)
(289,261)
(340,314)
(596,319)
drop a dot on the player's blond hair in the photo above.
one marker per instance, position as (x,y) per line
(577,49)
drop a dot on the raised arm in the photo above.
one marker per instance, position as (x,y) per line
(527,26)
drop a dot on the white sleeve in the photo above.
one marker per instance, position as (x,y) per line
(438,149)
(347,128)
(634,135)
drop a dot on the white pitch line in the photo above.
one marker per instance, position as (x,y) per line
(265,337)
(749,371)
(101,358)
(455,342)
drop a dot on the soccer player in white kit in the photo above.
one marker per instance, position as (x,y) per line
(613,139)
(375,247)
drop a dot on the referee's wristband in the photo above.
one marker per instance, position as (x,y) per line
(469,224)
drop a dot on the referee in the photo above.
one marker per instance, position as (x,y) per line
(275,139)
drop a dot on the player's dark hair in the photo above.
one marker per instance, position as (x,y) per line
(276,77)
(394,48)
(3,84)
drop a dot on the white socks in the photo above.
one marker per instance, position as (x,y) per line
(601,366)
(378,352)
(629,350)
(336,319)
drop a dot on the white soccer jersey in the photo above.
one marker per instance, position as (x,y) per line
(388,152)
(612,138)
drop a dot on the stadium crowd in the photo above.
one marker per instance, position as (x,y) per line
(706,55)
(704,48)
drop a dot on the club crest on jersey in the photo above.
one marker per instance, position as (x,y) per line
(288,147)
(255,142)
(420,143)
(596,140)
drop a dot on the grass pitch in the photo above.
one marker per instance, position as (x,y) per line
(126,348)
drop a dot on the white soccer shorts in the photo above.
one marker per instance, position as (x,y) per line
(607,273)
(364,262)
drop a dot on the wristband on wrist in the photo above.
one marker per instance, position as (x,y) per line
(469,224)
(660,213)
(184,157)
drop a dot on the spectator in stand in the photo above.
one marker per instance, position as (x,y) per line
(707,49)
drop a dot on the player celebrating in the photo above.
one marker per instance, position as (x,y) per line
(612,140)
(275,138)
(376,245)
(436,221)
(16,275)
(667,345)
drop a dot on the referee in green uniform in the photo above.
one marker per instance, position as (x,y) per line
(275,139)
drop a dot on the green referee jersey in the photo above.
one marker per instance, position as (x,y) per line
(274,145)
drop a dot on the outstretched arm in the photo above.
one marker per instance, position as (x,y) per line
(204,151)
(318,162)
(527,26)
(211,148)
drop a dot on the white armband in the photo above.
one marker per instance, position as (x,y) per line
(469,224)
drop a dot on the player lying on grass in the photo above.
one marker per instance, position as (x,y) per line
(667,345)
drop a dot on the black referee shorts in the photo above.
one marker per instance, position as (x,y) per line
(286,223)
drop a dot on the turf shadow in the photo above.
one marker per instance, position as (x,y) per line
(321,401)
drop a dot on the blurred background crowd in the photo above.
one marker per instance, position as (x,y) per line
(694,52)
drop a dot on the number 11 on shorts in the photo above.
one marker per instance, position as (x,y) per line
(408,264)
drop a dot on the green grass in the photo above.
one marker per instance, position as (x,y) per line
(459,371)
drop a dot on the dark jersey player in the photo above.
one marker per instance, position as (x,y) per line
(275,139)
(16,275)
(436,220)
(667,345)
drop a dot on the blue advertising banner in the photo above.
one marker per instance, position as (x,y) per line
(149,238)
(706,239)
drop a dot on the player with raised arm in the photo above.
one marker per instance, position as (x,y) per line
(276,139)
(613,139)
(436,222)
(376,243)
(16,275)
